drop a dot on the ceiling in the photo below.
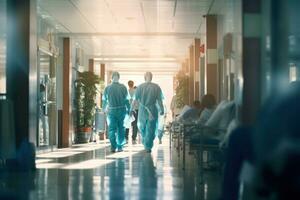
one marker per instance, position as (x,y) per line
(131,29)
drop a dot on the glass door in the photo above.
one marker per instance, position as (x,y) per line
(47,133)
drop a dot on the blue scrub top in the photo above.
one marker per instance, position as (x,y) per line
(115,95)
(147,94)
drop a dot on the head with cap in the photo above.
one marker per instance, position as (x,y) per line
(148,76)
(115,77)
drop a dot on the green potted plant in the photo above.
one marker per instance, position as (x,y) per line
(85,94)
(182,93)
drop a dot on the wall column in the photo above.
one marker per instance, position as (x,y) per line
(102,78)
(102,71)
(251,60)
(91,65)
(191,74)
(197,67)
(186,66)
(211,56)
(64,139)
(202,70)
(280,45)
(21,74)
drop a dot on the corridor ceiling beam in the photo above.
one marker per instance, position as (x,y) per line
(134,57)
(135,61)
(143,71)
(155,74)
(138,34)
(137,58)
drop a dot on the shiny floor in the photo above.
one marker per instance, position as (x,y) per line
(90,171)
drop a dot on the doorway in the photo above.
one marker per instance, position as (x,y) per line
(47,106)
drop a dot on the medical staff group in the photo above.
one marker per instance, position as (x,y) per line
(116,104)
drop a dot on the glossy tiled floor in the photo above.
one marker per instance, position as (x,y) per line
(92,172)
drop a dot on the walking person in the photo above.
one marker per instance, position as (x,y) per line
(148,95)
(161,124)
(131,92)
(116,105)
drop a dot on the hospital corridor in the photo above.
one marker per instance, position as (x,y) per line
(149,99)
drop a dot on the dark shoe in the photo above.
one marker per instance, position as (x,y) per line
(148,150)
(160,141)
(113,150)
(120,150)
(134,142)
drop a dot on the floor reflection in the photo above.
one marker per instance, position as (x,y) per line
(17,185)
(115,175)
(95,173)
(147,178)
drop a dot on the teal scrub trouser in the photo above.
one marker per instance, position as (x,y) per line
(116,129)
(147,128)
(160,133)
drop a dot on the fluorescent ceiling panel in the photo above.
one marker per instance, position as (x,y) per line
(67,14)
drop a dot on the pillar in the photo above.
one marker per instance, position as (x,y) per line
(91,65)
(211,56)
(102,71)
(186,64)
(197,69)
(202,72)
(102,78)
(185,67)
(251,60)
(64,139)
(21,74)
(225,71)
(191,74)
(281,44)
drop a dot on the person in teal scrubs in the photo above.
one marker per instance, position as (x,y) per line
(148,95)
(161,124)
(116,105)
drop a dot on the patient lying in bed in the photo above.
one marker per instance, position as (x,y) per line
(217,124)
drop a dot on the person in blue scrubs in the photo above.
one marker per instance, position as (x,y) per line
(161,124)
(116,105)
(148,95)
